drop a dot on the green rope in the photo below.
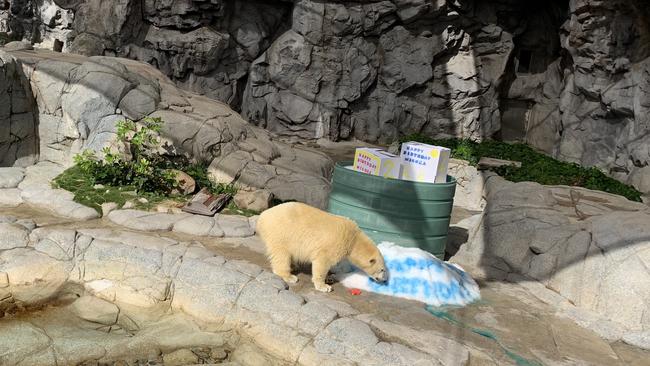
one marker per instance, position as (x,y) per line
(519,360)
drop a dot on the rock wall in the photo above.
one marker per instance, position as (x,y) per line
(205,47)
(47,23)
(70,103)
(591,106)
(18,137)
(592,248)
(371,70)
(567,76)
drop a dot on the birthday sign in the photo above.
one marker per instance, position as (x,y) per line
(424,163)
(377,162)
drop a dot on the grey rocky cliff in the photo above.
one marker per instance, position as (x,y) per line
(61,104)
(568,77)
(592,106)
(590,248)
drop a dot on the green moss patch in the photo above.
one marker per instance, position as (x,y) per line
(535,166)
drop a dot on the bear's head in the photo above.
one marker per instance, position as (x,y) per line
(365,256)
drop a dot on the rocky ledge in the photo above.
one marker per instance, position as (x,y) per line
(56,105)
(37,265)
(590,248)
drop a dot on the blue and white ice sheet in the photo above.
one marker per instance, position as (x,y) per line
(417,275)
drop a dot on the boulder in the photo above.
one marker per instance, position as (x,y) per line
(589,247)
(10,177)
(186,184)
(95,310)
(180,358)
(79,101)
(256,200)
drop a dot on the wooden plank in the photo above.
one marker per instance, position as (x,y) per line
(205,203)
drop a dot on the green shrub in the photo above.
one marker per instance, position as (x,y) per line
(146,173)
(535,166)
(147,170)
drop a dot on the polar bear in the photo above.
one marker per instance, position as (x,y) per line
(300,233)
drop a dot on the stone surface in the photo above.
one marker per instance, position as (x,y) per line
(77,102)
(235,226)
(18,46)
(108,207)
(257,200)
(144,273)
(18,143)
(374,71)
(10,177)
(10,197)
(470,185)
(13,236)
(144,220)
(180,358)
(59,202)
(20,340)
(199,225)
(186,184)
(95,310)
(592,110)
(589,247)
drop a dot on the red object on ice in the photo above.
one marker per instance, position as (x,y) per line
(355,291)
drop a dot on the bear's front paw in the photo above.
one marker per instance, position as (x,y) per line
(291,279)
(323,287)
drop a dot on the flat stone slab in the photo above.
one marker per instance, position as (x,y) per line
(11,177)
(58,201)
(231,226)
(136,269)
(95,310)
(10,197)
(199,225)
(144,220)
(13,236)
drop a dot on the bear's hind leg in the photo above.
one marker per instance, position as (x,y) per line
(319,269)
(281,266)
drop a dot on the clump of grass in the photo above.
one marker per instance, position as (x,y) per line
(82,185)
(147,174)
(535,166)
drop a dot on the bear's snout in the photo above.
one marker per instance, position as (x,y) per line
(380,276)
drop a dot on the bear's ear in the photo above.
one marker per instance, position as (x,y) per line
(373,261)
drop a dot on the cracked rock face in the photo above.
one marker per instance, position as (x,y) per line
(18,142)
(119,270)
(58,105)
(568,77)
(590,247)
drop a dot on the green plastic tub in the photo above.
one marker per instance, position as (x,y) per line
(409,214)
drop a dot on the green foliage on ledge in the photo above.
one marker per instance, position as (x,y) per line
(142,175)
(535,166)
(87,192)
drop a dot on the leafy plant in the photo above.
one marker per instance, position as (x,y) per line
(143,172)
(535,166)
(147,169)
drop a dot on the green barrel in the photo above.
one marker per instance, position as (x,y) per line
(409,214)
